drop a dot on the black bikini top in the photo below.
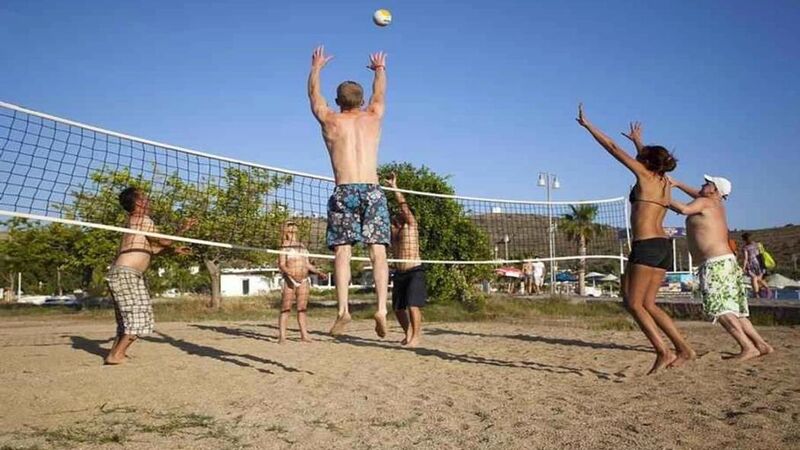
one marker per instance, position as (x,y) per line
(632,196)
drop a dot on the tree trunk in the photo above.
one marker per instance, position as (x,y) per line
(58,276)
(214,272)
(582,268)
(10,293)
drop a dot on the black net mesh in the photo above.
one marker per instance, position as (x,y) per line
(58,169)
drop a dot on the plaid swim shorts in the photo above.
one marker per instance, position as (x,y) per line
(357,213)
(132,306)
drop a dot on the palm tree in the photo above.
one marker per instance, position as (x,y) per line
(579,227)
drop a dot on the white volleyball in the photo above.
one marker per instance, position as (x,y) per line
(382,17)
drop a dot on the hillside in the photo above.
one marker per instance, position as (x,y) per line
(782,242)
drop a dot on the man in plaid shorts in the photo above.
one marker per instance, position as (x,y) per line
(132,306)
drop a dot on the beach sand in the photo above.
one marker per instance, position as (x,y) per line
(547,385)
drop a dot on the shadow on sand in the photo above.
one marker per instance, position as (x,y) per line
(92,346)
(239,359)
(429,352)
(544,340)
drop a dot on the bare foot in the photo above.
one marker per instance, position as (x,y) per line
(380,324)
(682,358)
(749,353)
(340,324)
(404,341)
(281,340)
(413,343)
(306,339)
(114,361)
(765,349)
(662,361)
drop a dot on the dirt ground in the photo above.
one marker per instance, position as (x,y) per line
(472,385)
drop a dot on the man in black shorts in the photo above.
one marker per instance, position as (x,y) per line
(409,293)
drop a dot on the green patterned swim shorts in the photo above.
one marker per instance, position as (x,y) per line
(722,288)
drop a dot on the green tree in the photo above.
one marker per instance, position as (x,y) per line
(579,226)
(42,254)
(229,210)
(445,232)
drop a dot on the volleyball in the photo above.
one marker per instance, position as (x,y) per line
(382,17)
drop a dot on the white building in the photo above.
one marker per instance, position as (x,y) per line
(246,282)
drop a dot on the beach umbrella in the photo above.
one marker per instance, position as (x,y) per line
(609,277)
(592,275)
(779,281)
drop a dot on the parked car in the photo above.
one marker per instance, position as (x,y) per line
(62,300)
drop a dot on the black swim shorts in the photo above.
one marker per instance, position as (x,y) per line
(654,252)
(409,288)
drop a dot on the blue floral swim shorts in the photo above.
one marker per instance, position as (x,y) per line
(357,213)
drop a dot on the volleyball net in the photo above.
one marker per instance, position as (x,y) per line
(58,170)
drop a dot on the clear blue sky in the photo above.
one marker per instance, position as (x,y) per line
(485,91)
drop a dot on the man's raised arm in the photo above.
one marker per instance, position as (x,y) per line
(405,211)
(690,191)
(319,107)
(377,63)
(694,207)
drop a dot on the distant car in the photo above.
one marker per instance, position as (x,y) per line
(32,299)
(62,300)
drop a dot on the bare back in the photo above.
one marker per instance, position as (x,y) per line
(707,232)
(649,201)
(352,139)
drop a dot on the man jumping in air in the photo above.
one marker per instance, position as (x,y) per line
(720,277)
(357,210)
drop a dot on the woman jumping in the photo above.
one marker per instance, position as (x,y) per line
(651,252)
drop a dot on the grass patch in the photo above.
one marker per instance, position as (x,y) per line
(82,434)
(121,425)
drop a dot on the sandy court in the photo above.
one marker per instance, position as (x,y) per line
(472,385)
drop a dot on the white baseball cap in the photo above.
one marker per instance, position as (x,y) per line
(723,185)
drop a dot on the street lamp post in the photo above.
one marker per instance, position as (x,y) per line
(506,239)
(550,181)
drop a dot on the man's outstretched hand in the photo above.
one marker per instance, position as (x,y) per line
(319,59)
(377,60)
(391,181)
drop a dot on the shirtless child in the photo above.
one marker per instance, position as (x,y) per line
(409,292)
(295,268)
(132,307)
(720,277)
(357,210)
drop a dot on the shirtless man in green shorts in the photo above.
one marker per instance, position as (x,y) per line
(357,210)
(720,277)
